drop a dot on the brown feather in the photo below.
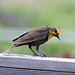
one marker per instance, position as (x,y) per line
(31,36)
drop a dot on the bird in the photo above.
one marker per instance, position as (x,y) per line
(35,37)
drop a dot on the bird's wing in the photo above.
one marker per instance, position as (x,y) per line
(31,36)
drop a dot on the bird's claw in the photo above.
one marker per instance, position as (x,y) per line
(42,56)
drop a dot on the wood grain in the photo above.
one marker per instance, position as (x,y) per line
(15,64)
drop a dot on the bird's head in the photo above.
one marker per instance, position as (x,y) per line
(54,32)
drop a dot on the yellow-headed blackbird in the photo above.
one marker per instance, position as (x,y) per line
(35,37)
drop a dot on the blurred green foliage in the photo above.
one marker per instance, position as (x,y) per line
(57,13)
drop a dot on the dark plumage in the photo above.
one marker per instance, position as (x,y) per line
(35,38)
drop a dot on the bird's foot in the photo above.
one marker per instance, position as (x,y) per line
(46,56)
(36,55)
(42,56)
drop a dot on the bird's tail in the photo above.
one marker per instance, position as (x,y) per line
(9,48)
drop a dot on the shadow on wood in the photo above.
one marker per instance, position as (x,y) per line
(15,64)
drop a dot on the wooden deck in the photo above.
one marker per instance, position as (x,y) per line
(15,64)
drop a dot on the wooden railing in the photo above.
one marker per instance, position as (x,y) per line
(15,64)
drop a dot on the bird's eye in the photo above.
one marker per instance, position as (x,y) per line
(55,31)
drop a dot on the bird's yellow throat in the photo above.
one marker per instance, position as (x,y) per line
(49,35)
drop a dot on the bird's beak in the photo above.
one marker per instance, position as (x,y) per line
(58,37)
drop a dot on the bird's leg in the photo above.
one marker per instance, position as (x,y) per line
(37,48)
(32,50)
